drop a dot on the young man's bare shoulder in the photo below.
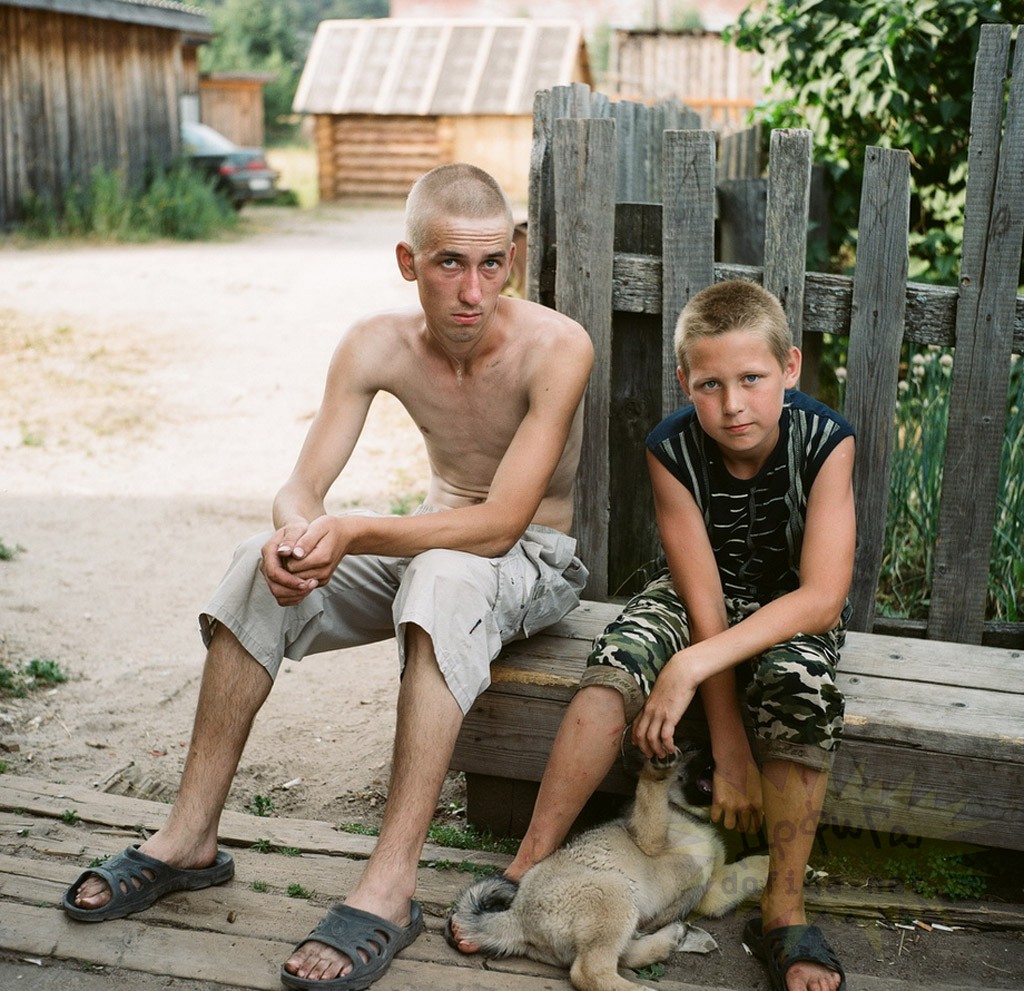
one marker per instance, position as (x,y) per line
(548,325)
(385,327)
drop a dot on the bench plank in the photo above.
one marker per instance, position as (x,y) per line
(934,741)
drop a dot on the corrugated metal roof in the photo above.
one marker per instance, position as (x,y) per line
(157,13)
(431,66)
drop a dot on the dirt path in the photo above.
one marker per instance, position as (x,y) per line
(154,398)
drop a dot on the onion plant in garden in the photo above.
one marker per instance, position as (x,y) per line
(916,483)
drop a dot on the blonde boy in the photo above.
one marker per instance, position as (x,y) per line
(754,502)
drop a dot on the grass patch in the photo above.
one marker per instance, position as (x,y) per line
(174,203)
(9,552)
(17,680)
(261,805)
(259,886)
(467,837)
(297,891)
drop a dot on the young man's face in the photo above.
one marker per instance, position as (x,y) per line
(737,387)
(460,271)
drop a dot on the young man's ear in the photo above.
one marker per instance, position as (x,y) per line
(406,261)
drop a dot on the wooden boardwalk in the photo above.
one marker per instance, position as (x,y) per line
(235,936)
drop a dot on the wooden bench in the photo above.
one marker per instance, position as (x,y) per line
(934,743)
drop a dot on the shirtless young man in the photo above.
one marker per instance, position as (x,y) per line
(495,385)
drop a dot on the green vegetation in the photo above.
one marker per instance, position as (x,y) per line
(273,37)
(259,886)
(179,203)
(17,680)
(297,891)
(916,484)
(929,868)
(260,805)
(9,553)
(466,837)
(895,73)
(403,505)
(70,817)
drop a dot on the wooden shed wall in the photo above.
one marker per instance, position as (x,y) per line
(234,107)
(77,93)
(375,155)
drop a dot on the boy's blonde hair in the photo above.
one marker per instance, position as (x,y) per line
(733,305)
(456,190)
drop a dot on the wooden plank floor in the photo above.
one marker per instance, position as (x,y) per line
(234,936)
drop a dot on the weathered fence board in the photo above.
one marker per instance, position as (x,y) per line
(584,152)
(785,246)
(876,332)
(993,230)
(688,238)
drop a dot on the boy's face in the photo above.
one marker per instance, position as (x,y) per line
(737,387)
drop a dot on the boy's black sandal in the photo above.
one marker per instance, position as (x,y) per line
(780,948)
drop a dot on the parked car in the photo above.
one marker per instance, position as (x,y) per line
(242,174)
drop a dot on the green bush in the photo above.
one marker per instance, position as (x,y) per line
(175,203)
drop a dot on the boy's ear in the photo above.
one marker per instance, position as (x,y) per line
(681,376)
(791,371)
(406,261)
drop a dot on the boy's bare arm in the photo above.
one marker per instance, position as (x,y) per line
(826,569)
(736,784)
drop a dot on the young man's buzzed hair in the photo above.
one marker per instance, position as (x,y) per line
(733,305)
(456,190)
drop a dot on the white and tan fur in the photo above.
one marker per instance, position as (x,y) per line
(618,894)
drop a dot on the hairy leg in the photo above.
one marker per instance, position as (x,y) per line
(233,688)
(427,727)
(793,798)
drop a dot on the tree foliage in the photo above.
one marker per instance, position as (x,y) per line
(273,37)
(896,73)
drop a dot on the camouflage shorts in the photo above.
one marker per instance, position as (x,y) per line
(794,708)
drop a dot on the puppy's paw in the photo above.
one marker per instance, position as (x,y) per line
(660,768)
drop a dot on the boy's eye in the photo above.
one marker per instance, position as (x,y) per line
(751,378)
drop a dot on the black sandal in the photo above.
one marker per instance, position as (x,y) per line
(780,948)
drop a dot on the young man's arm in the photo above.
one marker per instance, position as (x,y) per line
(826,570)
(489,528)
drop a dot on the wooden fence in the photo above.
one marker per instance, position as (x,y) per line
(622,234)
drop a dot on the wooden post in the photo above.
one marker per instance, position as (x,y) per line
(876,333)
(688,239)
(789,197)
(990,266)
(584,171)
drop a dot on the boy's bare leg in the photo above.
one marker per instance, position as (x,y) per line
(189,836)
(585,750)
(427,727)
(793,798)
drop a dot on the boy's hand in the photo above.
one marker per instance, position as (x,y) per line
(736,799)
(655,728)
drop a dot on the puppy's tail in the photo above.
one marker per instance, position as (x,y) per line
(484,918)
(734,884)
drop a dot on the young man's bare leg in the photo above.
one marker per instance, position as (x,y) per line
(427,726)
(793,799)
(189,836)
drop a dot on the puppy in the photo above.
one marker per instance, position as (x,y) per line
(618,894)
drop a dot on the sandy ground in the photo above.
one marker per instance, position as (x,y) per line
(152,399)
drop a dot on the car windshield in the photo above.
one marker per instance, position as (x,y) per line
(199,139)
